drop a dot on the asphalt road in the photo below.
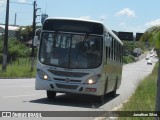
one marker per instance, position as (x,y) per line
(20,95)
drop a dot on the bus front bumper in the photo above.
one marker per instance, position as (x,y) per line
(66,87)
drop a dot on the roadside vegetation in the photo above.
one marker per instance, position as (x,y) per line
(152,36)
(19,62)
(132,50)
(128,59)
(21,68)
(15,50)
(144,97)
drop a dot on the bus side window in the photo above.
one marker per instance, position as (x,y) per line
(112,51)
(106,52)
(115,48)
(110,48)
(118,52)
(109,52)
(121,52)
(108,40)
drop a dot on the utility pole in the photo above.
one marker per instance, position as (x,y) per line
(33,34)
(15,19)
(5,47)
(34,27)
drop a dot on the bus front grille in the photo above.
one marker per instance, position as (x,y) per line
(68,74)
(69,80)
(73,87)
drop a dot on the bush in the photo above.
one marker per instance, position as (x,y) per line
(128,50)
(15,50)
(129,46)
(128,59)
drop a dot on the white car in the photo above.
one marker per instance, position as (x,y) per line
(149,62)
(152,55)
(147,57)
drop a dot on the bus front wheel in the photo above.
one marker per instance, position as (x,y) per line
(51,94)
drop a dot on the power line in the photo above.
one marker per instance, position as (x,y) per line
(22,3)
(3,1)
(21,19)
(17,2)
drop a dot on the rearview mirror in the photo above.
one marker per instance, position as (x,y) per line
(108,41)
(35,41)
(37,37)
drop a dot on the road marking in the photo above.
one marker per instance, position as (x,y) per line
(19,96)
(27,86)
(18,86)
(137,70)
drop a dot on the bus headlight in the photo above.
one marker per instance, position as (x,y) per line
(42,75)
(92,80)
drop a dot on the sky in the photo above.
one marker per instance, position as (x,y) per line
(119,15)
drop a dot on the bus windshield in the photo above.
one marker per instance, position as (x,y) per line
(70,50)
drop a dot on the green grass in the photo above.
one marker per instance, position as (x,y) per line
(18,69)
(128,59)
(144,97)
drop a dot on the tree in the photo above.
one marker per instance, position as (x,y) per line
(24,33)
(152,35)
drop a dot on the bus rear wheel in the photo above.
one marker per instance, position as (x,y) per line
(51,94)
(100,99)
(113,93)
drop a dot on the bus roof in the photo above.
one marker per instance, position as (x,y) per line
(86,20)
(76,19)
(114,36)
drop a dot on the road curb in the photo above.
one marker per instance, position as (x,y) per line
(114,109)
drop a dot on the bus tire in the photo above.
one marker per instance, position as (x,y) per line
(51,94)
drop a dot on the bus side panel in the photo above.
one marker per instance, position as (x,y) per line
(109,75)
(119,75)
(113,70)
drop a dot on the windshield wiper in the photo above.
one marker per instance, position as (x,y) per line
(86,37)
(54,43)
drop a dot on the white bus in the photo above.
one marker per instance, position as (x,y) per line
(78,56)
